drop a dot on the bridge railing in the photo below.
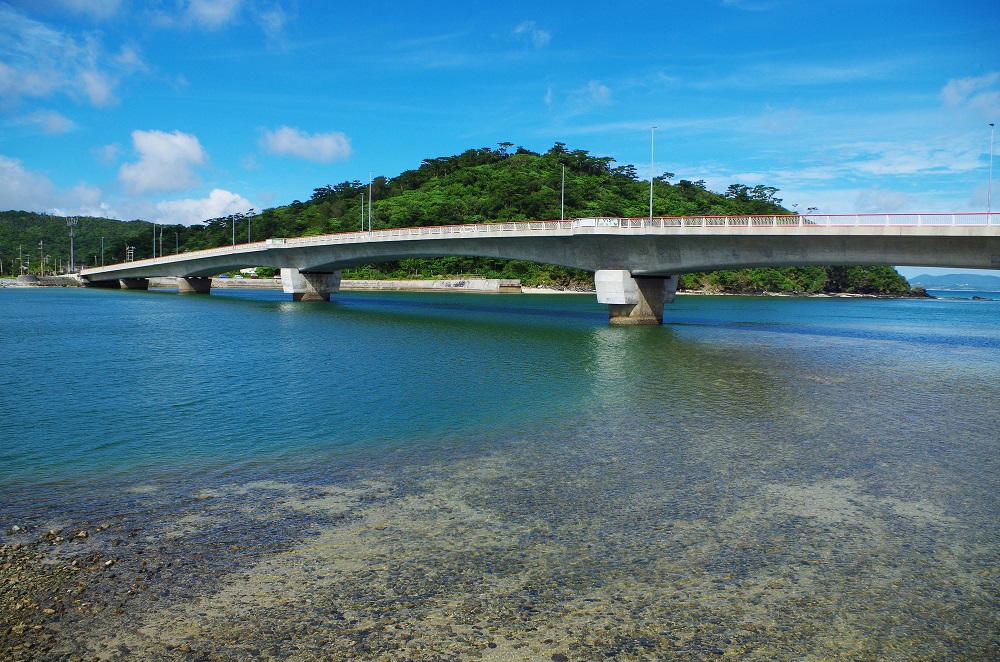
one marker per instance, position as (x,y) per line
(807,220)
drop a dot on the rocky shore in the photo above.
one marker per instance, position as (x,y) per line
(52,580)
(62,588)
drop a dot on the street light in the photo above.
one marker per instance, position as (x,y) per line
(369,200)
(562,198)
(652,169)
(71,223)
(989,189)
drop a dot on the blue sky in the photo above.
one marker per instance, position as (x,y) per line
(182,110)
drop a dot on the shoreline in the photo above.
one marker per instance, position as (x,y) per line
(493,286)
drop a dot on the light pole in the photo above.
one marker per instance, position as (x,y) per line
(71,222)
(562,199)
(233,221)
(989,189)
(369,200)
(102,251)
(652,169)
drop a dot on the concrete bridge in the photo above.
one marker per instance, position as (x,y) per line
(635,261)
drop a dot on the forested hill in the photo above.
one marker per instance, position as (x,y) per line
(478,186)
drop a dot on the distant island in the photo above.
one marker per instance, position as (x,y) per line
(967,282)
(477,186)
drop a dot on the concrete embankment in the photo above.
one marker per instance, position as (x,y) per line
(224,283)
(466,285)
(31,280)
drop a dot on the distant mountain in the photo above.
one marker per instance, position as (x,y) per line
(982,282)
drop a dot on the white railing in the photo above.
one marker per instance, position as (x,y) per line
(572,226)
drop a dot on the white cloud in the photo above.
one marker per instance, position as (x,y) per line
(530,31)
(23,189)
(876,200)
(98,87)
(107,154)
(979,93)
(320,147)
(166,162)
(202,14)
(37,61)
(128,58)
(927,156)
(185,212)
(211,14)
(96,9)
(592,94)
(272,21)
(46,121)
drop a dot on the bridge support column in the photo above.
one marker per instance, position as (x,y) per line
(194,285)
(135,283)
(309,286)
(634,301)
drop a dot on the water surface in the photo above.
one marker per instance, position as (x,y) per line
(442,475)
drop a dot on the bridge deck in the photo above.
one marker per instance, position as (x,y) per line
(641,245)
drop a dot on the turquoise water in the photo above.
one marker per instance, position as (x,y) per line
(449,476)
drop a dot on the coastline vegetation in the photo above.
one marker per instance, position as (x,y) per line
(477,186)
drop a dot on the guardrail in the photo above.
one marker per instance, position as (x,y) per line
(571,226)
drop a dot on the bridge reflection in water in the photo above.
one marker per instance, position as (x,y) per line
(636,261)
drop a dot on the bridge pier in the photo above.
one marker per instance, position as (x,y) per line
(194,285)
(135,283)
(309,286)
(634,300)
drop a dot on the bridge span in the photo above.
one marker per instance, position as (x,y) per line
(635,261)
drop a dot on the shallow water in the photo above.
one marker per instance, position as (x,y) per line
(442,476)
